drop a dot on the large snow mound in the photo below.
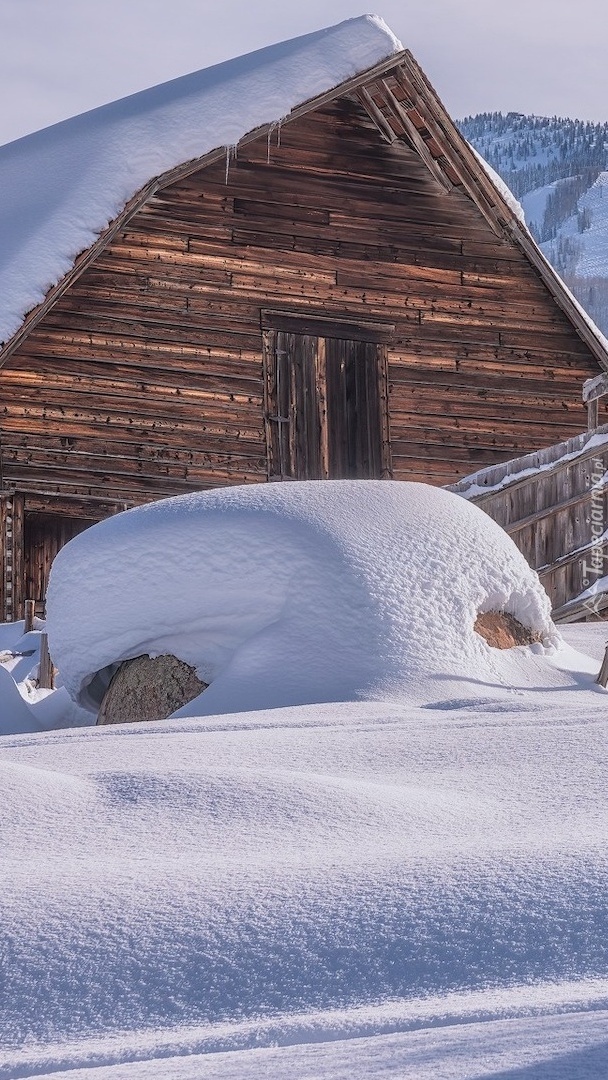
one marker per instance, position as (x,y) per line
(294,593)
(63,185)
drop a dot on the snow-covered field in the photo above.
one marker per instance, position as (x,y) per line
(409,881)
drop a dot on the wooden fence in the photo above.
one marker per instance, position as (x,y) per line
(553,503)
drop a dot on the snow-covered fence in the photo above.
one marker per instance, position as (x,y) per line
(554,505)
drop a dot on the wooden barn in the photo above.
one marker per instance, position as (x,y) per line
(289,266)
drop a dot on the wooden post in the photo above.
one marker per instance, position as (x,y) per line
(593,390)
(602,678)
(30,610)
(46,673)
(18,556)
(6,555)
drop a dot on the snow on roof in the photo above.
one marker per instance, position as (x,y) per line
(62,186)
(289,594)
(503,189)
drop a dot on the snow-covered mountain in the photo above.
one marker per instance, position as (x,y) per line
(558,169)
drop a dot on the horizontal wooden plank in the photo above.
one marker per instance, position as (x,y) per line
(22,470)
(441,402)
(220,435)
(23,450)
(165,365)
(22,385)
(470,433)
(523,382)
(436,334)
(317,324)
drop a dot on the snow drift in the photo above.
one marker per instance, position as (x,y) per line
(302,875)
(286,594)
(302,879)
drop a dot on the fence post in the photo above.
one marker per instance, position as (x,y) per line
(602,678)
(30,609)
(46,673)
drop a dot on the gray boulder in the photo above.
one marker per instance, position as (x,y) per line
(149,688)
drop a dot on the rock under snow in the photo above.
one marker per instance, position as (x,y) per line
(503,631)
(147,688)
(294,593)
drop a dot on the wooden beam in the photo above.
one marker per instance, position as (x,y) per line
(6,557)
(416,138)
(376,115)
(46,671)
(18,556)
(12,549)
(30,611)
(478,187)
(320,325)
(595,388)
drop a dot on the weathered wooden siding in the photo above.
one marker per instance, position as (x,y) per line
(44,536)
(11,557)
(146,378)
(554,504)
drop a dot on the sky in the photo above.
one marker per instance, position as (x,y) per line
(62,57)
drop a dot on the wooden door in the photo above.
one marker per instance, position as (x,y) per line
(44,536)
(326,412)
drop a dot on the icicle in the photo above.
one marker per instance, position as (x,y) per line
(230,153)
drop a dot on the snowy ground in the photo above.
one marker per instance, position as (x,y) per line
(397,888)
(347,890)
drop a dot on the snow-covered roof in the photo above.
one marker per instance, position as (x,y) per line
(63,185)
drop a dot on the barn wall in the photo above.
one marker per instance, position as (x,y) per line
(146,378)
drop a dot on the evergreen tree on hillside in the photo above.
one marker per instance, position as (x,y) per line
(533,152)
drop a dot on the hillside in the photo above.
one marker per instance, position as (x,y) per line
(558,169)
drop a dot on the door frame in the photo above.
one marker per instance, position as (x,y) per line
(320,326)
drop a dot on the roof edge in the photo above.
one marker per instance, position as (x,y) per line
(472,175)
(88,256)
(508,221)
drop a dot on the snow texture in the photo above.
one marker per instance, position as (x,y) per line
(62,186)
(340,888)
(23,707)
(284,594)
(413,887)
(502,188)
